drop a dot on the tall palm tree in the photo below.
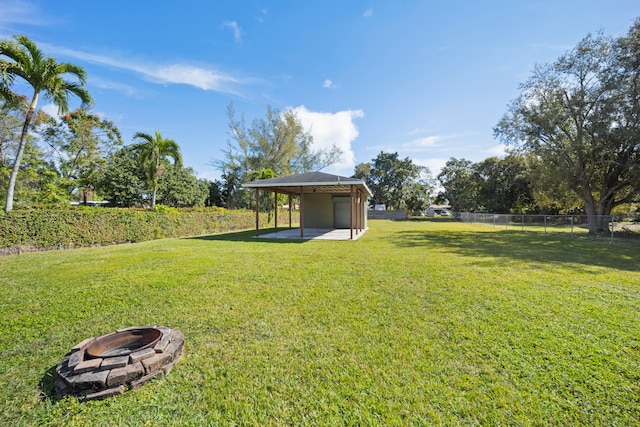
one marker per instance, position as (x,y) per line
(153,151)
(20,57)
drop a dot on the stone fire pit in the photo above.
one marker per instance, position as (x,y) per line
(105,366)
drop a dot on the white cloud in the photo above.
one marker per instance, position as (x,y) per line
(497,150)
(367,13)
(111,85)
(206,79)
(261,15)
(434,164)
(327,84)
(420,144)
(20,12)
(200,77)
(330,129)
(237,31)
(425,144)
(51,110)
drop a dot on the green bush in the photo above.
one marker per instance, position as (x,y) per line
(45,229)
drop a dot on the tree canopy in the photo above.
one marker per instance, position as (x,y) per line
(277,142)
(81,142)
(494,184)
(396,183)
(581,116)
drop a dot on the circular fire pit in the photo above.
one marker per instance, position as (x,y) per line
(105,366)
(123,343)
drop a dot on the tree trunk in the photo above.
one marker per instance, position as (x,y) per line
(605,206)
(590,209)
(16,165)
(153,198)
(598,217)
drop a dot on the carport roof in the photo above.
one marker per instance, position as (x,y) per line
(310,182)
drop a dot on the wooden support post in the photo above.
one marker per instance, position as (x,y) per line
(275,202)
(257,212)
(290,208)
(361,214)
(301,213)
(357,212)
(351,212)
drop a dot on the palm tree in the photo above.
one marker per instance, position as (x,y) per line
(20,57)
(153,151)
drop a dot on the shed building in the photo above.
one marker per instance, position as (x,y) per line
(326,201)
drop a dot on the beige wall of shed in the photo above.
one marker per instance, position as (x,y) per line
(318,211)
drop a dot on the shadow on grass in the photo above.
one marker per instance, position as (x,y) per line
(47,385)
(246,236)
(530,246)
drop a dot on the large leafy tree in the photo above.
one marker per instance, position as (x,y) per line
(180,187)
(82,141)
(12,115)
(581,115)
(504,184)
(277,142)
(461,184)
(38,181)
(394,182)
(124,180)
(21,58)
(214,197)
(550,195)
(154,151)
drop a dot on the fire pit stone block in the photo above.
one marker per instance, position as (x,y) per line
(125,375)
(141,355)
(88,377)
(87,365)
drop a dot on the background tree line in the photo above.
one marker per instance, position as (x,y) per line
(573,134)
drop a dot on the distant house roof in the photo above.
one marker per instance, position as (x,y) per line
(310,182)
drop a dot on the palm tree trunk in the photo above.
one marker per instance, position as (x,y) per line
(16,165)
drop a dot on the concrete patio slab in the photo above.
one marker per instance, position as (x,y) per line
(313,234)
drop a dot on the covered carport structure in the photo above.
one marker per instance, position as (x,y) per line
(326,201)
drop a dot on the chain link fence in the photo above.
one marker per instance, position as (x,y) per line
(613,227)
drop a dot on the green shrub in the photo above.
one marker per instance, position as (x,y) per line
(44,229)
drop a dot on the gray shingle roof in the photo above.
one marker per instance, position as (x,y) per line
(310,182)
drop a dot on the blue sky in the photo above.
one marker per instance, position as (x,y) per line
(428,79)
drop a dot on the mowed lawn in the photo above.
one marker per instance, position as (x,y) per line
(416,323)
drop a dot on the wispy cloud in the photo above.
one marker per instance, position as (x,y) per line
(420,144)
(19,12)
(328,84)
(423,146)
(261,15)
(51,109)
(367,13)
(200,77)
(497,150)
(128,90)
(237,31)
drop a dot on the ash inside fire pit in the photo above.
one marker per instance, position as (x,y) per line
(105,366)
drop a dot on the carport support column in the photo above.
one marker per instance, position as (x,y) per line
(290,208)
(275,202)
(301,212)
(357,212)
(257,212)
(351,212)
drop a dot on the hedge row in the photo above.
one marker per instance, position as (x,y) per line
(45,229)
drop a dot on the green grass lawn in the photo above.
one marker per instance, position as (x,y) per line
(415,323)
